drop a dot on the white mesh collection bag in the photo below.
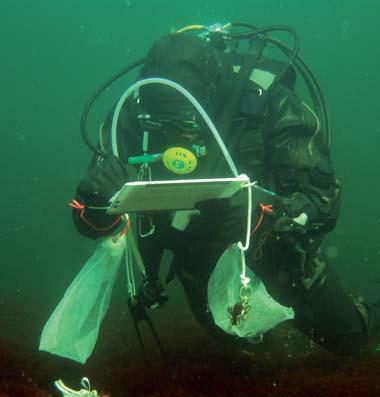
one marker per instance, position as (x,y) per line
(244,310)
(73,327)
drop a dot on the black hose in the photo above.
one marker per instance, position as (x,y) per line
(294,58)
(94,96)
(230,110)
(313,86)
(262,32)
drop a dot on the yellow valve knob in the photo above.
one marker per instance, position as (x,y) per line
(179,160)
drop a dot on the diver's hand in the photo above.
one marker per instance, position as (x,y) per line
(291,215)
(287,224)
(103,180)
(150,294)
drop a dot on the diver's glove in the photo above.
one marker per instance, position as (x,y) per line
(150,294)
(286,224)
(292,214)
(93,195)
(104,180)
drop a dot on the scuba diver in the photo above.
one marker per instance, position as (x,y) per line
(273,136)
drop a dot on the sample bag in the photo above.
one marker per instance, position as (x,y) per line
(73,328)
(247,311)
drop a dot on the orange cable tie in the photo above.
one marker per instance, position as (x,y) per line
(265,209)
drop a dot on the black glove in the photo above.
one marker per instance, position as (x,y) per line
(103,180)
(150,294)
(292,214)
(95,190)
(285,224)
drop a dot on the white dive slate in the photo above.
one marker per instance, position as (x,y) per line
(172,195)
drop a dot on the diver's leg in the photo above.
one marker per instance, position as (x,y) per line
(194,279)
(324,309)
(370,312)
(328,314)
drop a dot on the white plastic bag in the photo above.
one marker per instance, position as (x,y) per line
(225,292)
(73,328)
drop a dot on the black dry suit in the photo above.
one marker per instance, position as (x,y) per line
(276,140)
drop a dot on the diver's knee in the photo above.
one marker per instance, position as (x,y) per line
(349,345)
(358,340)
